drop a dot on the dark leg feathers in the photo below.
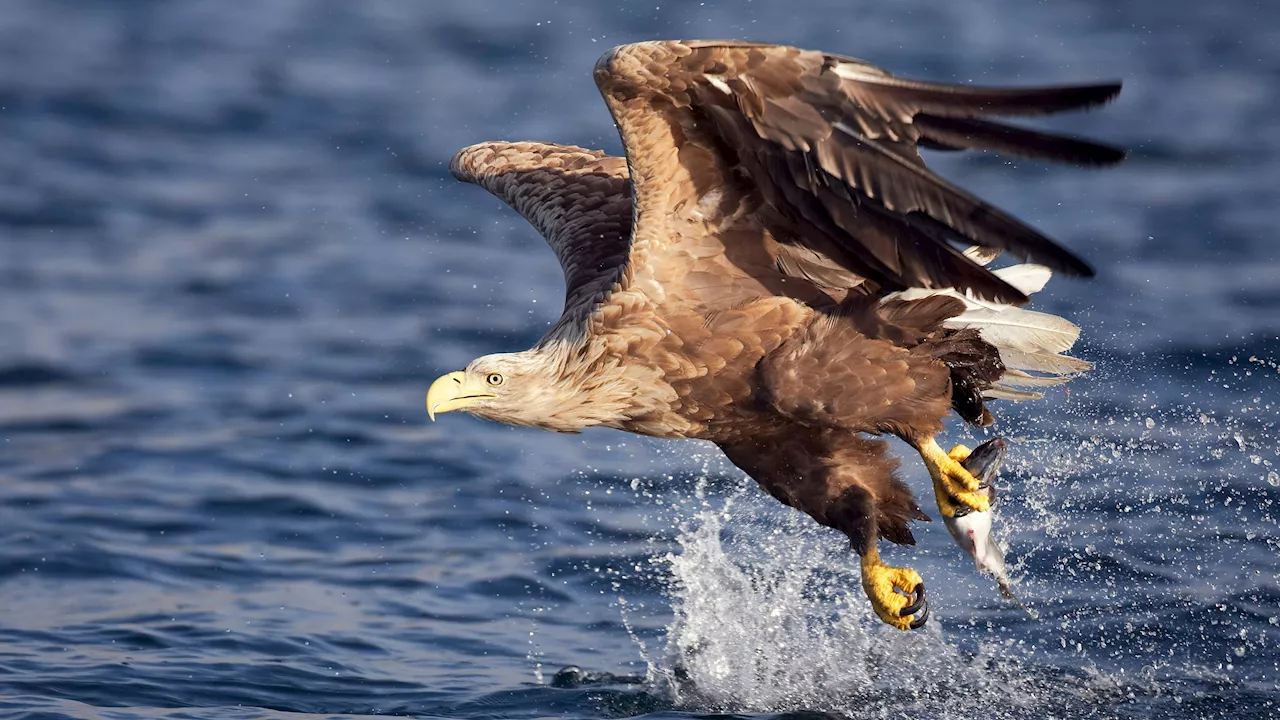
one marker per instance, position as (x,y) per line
(975,364)
(838,478)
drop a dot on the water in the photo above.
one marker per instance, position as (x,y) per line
(233,260)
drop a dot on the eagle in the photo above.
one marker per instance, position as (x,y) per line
(774,269)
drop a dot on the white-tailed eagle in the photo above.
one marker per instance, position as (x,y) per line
(774,269)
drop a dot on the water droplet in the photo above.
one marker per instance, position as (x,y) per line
(1273,478)
(1150,423)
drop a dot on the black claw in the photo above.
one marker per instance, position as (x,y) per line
(916,604)
(920,621)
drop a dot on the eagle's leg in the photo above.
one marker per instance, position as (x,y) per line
(845,482)
(877,386)
(896,593)
(953,486)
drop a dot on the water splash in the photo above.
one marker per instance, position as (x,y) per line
(770,616)
(1107,513)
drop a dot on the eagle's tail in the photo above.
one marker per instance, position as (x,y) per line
(1031,344)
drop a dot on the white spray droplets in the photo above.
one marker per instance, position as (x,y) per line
(1123,521)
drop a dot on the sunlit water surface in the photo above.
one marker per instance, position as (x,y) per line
(232,261)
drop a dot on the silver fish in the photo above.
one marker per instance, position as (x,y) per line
(972,529)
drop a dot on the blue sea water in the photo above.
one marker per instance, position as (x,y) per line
(232,260)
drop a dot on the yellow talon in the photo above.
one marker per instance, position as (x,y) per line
(896,594)
(953,486)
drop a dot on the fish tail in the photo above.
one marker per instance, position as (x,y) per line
(1007,593)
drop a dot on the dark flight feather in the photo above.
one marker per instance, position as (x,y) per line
(969,133)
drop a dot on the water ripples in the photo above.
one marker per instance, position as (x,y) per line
(233,259)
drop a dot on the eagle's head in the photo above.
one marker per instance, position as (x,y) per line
(552,386)
(510,388)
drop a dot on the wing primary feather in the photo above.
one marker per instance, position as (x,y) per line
(978,101)
(904,187)
(961,133)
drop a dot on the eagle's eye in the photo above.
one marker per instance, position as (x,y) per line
(494,379)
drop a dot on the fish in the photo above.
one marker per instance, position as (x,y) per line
(972,529)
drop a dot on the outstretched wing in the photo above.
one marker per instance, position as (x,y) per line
(580,200)
(829,146)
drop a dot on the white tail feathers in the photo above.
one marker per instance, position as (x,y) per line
(1028,277)
(1021,378)
(1043,361)
(1004,392)
(1028,341)
(1017,329)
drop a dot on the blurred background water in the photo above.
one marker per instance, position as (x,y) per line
(232,260)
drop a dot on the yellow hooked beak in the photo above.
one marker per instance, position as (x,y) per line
(452,392)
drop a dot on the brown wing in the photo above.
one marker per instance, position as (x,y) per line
(829,144)
(580,200)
